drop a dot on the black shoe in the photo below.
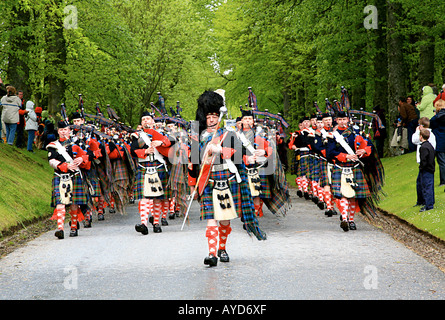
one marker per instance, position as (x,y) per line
(87,223)
(344,225)
(423,209)
(321,205)
(73,233)
(164,222)
(142,228)
(59,234)
(172,216)
(100,217)
(157,228)
(111,210)
(211,261)
(315,200)
(306,196)
(418,204)
(223,256)
(328,213)
(151,219)
(300,193)
(352,225)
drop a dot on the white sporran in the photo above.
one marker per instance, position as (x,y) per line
(152,184)
(66,189)
(347,183)
(223,205)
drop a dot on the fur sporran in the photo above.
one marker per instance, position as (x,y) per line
(223,205)
(152,184)
(66,189)
(348,184)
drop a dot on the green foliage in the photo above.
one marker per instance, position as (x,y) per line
(291,52)
(25,181)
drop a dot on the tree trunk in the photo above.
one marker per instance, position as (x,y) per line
(396,71)
(56,74)
(426,58)
(381,59)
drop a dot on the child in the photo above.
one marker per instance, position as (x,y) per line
(427,167)
(424,123)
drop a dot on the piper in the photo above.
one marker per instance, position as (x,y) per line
(67,159)
(220,180)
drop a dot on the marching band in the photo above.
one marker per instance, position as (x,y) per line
(233,171)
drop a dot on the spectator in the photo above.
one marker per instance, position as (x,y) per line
(409,120)
(437,125)
(10,114)
(424,123)
(410,100)
(426,107)
(426,170)
(31,124)
(3,92)
(21,124)
(379,133)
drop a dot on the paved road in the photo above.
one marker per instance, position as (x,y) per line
(306,256)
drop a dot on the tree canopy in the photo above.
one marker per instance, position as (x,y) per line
(291,52)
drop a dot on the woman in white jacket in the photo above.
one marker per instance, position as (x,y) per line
(31,124)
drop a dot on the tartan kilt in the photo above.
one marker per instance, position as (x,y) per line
(139,185)
(94,180)
(363,190)
(323,175)
(241,195)
(265,187)
(79,197)
(120,171)
(314,168)
(303,168)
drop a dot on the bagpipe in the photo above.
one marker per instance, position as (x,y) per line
(164,116)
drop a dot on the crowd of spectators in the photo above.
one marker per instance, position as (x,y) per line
(420,127)
(22,122)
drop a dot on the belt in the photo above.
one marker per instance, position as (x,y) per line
(220,167)
(231,178)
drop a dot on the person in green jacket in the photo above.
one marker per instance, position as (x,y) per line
(426,107)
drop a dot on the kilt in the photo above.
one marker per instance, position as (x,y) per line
(241,195)
(314,168)
(362,191)
(94,180)
(323,175)
(163,176)
(120,171)
(265,187)
(305,160)
(79,196)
